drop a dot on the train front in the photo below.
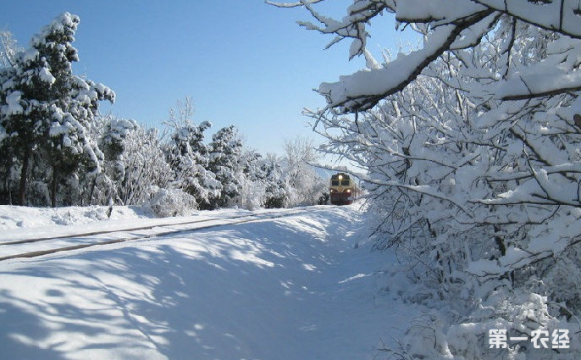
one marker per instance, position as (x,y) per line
(342,189)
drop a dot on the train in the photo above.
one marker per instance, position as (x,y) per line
(343,190)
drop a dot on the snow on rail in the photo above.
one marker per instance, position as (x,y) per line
(60,240)
(22,224)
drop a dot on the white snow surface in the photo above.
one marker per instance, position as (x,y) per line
(21,218)
(288,288)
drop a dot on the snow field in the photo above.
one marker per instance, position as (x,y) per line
(288,288)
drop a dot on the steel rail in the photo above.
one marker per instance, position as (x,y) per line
(234,220)
(104,232)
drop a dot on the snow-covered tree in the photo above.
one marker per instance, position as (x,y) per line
(471,150)
(305,186)
(188,155)
(253,181)
(115,137)
(263,183)
(137,171)
(46,109)
(144,167)
(276,188)
(225,155)
(8,49)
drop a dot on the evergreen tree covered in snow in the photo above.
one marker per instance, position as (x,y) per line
(253,181)
(115,140)
(48,111)
(224,162)
(263,183)
(276,188)
(188,155)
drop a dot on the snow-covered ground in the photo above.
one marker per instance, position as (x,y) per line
(19,217)
(289,288)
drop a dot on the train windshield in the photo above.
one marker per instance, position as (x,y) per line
(345,183)
(334,182)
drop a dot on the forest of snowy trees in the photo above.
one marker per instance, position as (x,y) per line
(471,144)
(57,149)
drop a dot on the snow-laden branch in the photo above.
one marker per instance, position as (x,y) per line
(562,16)
(520,258)
(292,5)
(365,88)
(419,189)
(438,12)
(539,84)
(450,25)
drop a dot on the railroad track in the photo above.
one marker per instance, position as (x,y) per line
(19,249)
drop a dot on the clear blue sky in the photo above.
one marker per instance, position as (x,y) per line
(243,62)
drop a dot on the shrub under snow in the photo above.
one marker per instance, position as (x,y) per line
(172,202)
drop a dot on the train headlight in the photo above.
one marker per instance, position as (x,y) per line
(340,177)
(347,190)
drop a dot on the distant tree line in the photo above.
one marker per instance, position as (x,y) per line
(56,149)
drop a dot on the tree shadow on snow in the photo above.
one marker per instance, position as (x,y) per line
(243,291)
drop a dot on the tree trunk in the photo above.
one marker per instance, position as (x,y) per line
(24,177)
(93,186)
(54,186)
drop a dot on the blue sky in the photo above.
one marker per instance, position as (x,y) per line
(243,62)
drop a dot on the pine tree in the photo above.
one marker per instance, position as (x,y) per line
(188,155)
(225,153)
(49,111)
(115,136)
(276,188)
